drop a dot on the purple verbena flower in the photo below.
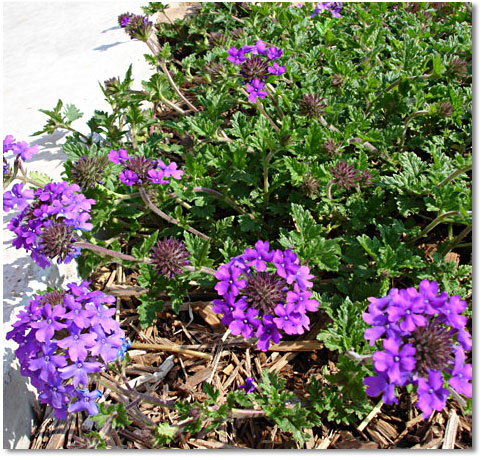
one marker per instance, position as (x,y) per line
(258,299)
(431,394)
(249,386)
(277,69)
(17,197)
(236,56)
(423,336)
(255,89)
(86,401)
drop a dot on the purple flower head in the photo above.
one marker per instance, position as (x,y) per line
(274,53)
(258,299)
(249,386)
(124,19)
(8,143)
(23,149)
(139,170)
(431,394)
(46,227)
(17,197)
(381,384)
(395,361)
(169,257)
(462,374)
(86,401)
(333,7)
(255,90)
(277,69)
(236,56)
(64,336)
(423,340)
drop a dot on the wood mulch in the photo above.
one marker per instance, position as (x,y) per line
(172,358)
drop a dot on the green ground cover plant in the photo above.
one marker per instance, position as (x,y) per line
(305,172)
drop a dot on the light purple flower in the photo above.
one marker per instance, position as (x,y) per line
(17,197)
(86,402)
(236,56)
(255,90)
(462,374)
(396,362)
(22,148)
(277,69)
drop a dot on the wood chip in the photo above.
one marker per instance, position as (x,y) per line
(451,431)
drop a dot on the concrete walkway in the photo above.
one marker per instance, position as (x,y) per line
(52,50)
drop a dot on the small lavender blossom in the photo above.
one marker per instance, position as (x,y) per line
(265,294)
(17,197)
(123,19)
(423,335)
(62,341)
(138,27)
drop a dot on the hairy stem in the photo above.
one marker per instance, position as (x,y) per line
(108,252)
(455,174)
(406,125)
(169,219)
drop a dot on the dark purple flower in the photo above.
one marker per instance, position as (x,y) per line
(244,322)
(77,343)
(277,69)
(50,322)
(267,332)
(17,197)
(236,56)
(249,386)
(381,384)
(396,361)
(274,53)
(47,363)
(431,394)
(255,90)
(78,371)
(408,307)
(229,280)
(462,374)
(123,19)
(86,401)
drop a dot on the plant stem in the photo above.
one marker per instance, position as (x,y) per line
(267,116)
(227,200)
(108,252)
(457,240)
(169,219)
(170,348)
(173,85)
(275,103)
(406,125)
(455,174)
(434,223)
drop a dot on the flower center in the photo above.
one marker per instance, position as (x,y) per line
(264,291)
(434,348)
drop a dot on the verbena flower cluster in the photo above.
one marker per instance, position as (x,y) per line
(137,26)
(138,170)
(169,257)
(265,293)
(48,220)
(424,342)
(333,7)
(64,336)
(346,176)
(20,148)
(256,64)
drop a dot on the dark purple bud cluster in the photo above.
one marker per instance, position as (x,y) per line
(346,176)
(139,170)
(333,7)
(265,293)
(312,105)
(136,26)
(262,62)
(89,171)
(64,336)
(48,220)
(169,257)
(424,342)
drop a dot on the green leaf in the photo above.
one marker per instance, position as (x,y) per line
(71,113)
(164,433)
